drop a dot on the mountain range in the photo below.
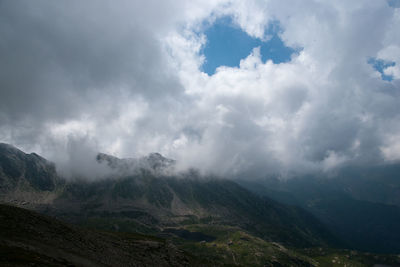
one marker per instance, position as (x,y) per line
(199,215)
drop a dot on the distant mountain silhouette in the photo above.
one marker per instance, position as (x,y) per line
(358,204)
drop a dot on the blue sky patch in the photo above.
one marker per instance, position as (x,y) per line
(394,3)
(380,65)
(227,44)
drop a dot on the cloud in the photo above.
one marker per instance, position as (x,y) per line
(324,108)
(73,61)
(125,78)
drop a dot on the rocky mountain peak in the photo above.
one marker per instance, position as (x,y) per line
(20,169)
(154,162)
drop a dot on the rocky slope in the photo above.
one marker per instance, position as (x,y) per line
(155,203)
(27,179)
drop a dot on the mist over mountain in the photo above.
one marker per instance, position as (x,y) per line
(145,189)
(154,162)
(270,124)
(197,214)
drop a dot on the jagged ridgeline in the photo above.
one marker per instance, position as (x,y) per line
(154,163)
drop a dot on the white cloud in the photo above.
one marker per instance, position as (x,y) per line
(130,83)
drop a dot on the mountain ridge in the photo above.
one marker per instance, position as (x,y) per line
(216,220)
(155,199)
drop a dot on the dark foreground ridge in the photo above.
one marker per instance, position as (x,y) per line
(27,237)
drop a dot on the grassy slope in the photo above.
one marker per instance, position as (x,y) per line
(233,246)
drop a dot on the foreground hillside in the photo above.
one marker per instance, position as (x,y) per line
(30,238)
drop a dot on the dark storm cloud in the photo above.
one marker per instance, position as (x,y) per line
(54,53)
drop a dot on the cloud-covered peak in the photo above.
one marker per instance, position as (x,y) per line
(154,163)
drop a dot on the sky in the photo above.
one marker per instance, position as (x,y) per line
(236,88)
(227,44)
